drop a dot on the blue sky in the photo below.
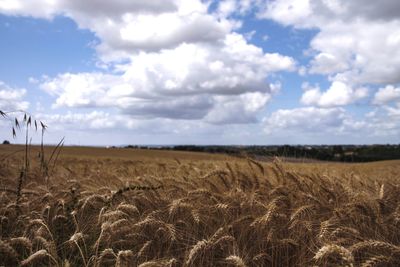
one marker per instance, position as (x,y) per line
(203,72)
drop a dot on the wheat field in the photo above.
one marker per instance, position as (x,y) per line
(119,207)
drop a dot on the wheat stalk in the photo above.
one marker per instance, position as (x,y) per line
(235,261)
(38,258)
(125,258)
(338,252)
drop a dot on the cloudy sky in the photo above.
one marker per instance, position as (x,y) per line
(103,72)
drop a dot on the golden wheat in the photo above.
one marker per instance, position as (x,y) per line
(243,212)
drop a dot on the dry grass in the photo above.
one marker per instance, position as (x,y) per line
(156,208)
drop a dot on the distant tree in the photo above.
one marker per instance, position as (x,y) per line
(337,149)
(6,142)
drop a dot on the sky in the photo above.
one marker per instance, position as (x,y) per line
(228,72)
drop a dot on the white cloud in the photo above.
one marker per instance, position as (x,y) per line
(386,95)
(358,53)
(311,96)
(348,10)
(287,12)
(186,82)
(326,63)
(105,121)
(313,13)
(79,121)
(338,94)
(117,7)
(356,46)
(308,119)
(227,8)
(29,8)
(394,113)
(79,90)
(237,109)
(383,122)
(154,32)
(170,59)
(126,27)
(107,128)
(309,124)
(186,107)
(357,42)
(12,99)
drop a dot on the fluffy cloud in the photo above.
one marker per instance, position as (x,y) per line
(359,54)
(29,8)
(357,42)
(338,94)
(100,120)
(167,59)
(358,9)
(191,81)
(12,99)
(385,120)
(313,13)
(308,119)
(227,8)
(125,27)
(237,109)
(308,122)
(394,112)
(386,95)
(356,45)
(93,120)
(287,12)
(79,90)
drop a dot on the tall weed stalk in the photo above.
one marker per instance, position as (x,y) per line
(27,125)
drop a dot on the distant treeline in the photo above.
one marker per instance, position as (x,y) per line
(342,153)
